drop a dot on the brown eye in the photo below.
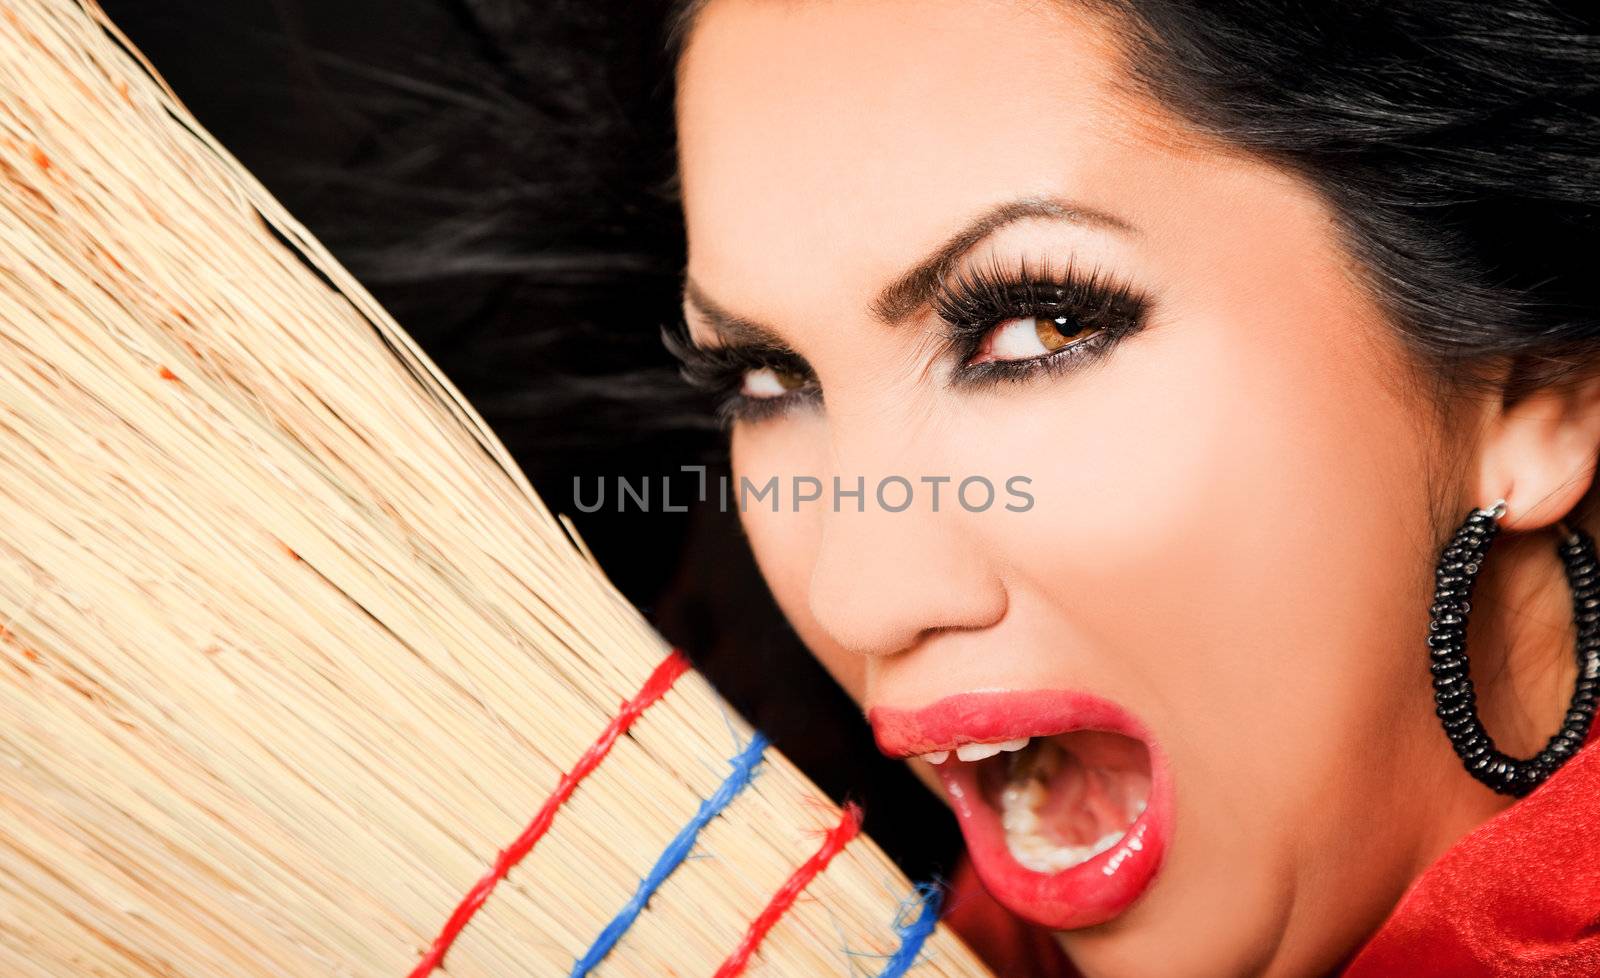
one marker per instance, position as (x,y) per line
(1029,337)
(769,382)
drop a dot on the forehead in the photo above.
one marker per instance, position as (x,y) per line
(844,137)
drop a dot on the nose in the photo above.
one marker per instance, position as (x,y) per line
(884,581)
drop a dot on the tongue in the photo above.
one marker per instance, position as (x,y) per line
(1094,783)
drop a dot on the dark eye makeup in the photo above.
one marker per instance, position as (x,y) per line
(1074,317)
(721,370)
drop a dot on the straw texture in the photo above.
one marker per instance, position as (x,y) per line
(291,648)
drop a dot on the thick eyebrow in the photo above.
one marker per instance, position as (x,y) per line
(731,329)
(915,287)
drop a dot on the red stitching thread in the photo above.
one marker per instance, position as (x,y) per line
(838,836)
(673,666)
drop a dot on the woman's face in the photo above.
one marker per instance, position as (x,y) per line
(1203,589)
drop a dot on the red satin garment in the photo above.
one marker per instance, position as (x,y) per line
(1517,897)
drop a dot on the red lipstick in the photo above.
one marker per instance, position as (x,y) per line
(1030,817)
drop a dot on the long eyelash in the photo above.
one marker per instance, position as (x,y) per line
(984,296)
(970,305)
(720,370)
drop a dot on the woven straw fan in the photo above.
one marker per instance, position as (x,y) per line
(298,677)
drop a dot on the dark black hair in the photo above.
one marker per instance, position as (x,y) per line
(499,175)
(1458,142)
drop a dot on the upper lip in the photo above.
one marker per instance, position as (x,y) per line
(995,715)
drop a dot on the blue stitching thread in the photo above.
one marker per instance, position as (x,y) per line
(913,932)
(675,853)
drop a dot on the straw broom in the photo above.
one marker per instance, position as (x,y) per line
(292,652)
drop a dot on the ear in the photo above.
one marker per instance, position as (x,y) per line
(1539,453)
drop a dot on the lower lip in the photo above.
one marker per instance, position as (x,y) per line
(1095,890)
(1089,893)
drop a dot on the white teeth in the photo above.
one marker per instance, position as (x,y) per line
(977,752)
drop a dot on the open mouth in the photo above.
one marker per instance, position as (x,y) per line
(1063,800)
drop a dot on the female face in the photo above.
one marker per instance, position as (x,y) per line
(944,238)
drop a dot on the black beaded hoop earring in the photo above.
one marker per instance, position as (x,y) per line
(1447,644)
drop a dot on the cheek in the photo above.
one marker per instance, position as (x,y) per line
(1230,534)
(1230,527)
